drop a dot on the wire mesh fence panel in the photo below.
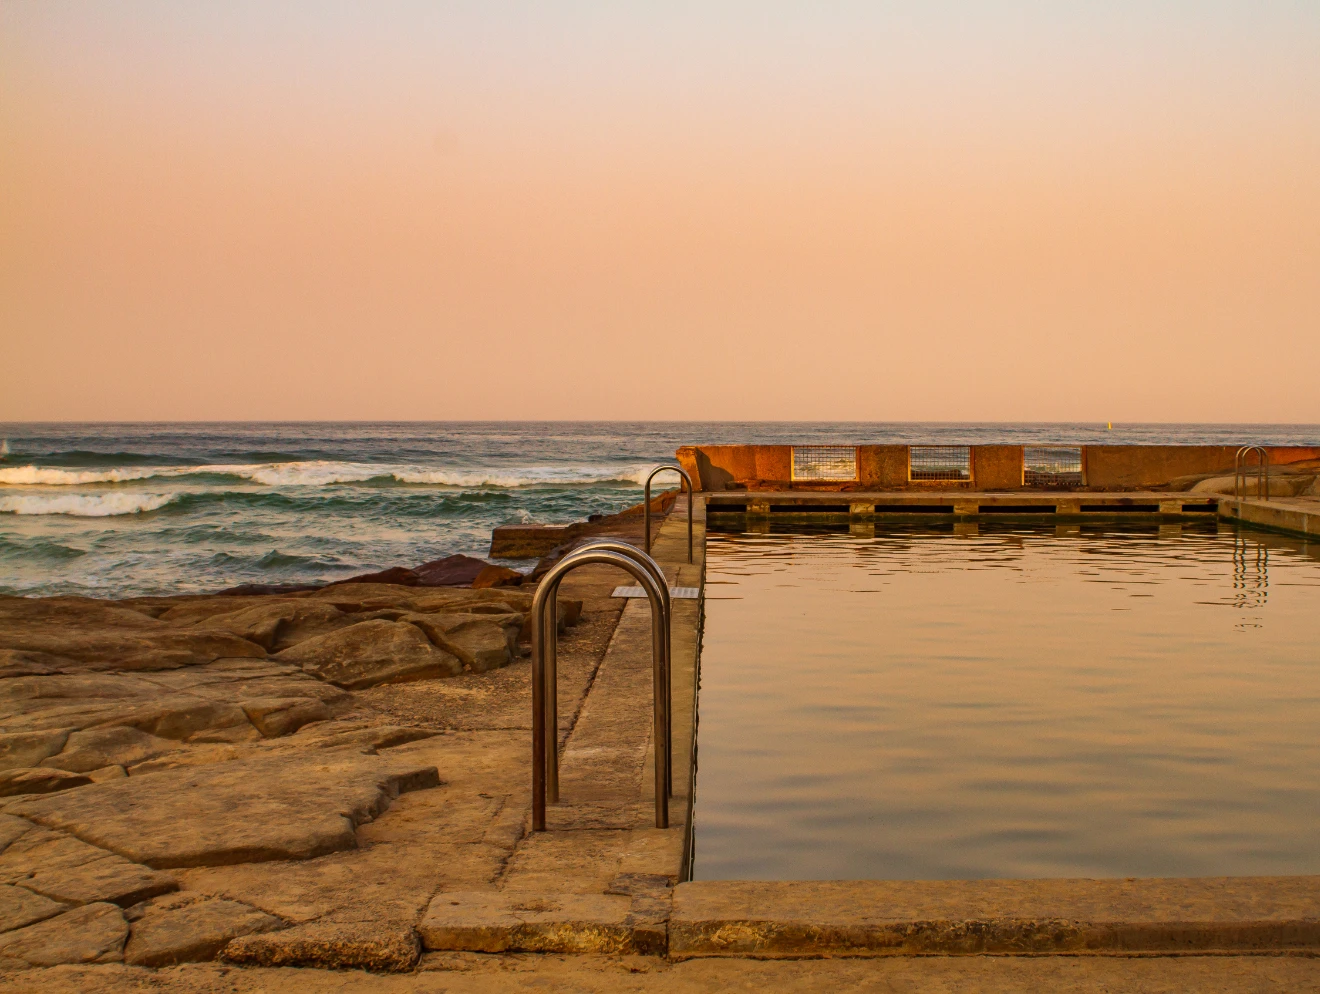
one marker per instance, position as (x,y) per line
(939,462)
(1051,466)
(824,462)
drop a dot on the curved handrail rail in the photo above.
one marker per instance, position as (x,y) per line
(1262,470)
(659,677)
(552,655)
(683,473)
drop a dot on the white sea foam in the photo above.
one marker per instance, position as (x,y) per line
(522,476)
(51,476)
(311,473)
(322,472)
(83,505)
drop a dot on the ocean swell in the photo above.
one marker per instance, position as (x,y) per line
(524,476)
(325,472)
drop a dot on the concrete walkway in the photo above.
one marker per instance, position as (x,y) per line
(1290,515)
(600,879)
(475,974)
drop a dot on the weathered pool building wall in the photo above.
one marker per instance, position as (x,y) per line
(992,467)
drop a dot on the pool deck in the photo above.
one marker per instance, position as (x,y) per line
(1298,516)
(600,901)
(600,879)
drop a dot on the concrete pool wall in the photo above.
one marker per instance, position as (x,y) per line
(1153,916)
(1128,481)
(993,467)
(869,918)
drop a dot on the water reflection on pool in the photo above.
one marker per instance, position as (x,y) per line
(924,704)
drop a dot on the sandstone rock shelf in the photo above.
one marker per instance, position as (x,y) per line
(274,776)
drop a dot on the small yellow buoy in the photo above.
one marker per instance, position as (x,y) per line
(1110,426)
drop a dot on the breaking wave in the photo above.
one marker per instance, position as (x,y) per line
(524,476)
(325,472)
(51,476)
(83,505)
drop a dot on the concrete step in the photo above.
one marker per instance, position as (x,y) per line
(871,917)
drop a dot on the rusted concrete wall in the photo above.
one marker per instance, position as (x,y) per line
(717,465)
(690,458)
(1127,466)
(712,466)
(882,467)
(1146,465)
(997,467)
(994,467)
(774,462)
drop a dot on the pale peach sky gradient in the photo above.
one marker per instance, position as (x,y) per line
(825,211)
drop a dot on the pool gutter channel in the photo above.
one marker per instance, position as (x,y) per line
(755,509)
(604,881)
(1071,507)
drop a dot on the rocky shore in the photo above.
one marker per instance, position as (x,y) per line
(159,734)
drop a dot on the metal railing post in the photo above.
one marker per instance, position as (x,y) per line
(1262,471)
(546,594)
(686,479)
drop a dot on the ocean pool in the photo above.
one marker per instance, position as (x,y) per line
(959,702)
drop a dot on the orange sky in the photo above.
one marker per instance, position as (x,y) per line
(1016,212)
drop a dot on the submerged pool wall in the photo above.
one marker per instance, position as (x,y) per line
(992,467)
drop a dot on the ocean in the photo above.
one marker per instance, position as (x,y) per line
(115,510)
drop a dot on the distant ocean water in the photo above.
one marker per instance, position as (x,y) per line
(110,510)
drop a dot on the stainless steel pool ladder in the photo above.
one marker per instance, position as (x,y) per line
(1262,470)
(552,658)
(545,637)
(686,479)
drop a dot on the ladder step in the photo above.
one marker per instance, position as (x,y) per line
(675,593)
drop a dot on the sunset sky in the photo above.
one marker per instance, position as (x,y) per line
(871,211)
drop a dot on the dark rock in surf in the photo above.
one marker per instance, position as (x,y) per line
(451,571)
(400,576)
(255,589)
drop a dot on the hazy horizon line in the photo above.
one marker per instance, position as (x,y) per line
(640,421)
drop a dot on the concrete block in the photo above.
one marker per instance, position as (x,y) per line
(528,921)
(997,467)
(872,918)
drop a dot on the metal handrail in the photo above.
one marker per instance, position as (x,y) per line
(680,471)
(1262,470)
(547,589)
(552,657)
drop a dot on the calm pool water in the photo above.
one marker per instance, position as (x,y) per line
(922,704)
